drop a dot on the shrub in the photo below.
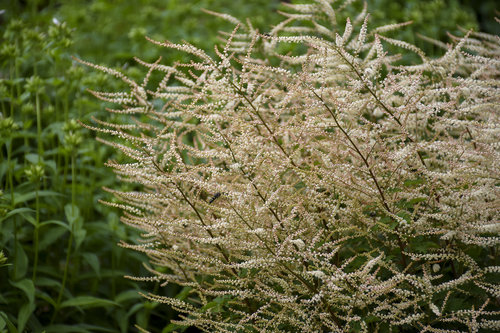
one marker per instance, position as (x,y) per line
(330,189)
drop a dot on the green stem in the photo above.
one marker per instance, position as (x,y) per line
(39,127)
(65,277)
(70,241)
(36,236)
(12,76)
(73,183)
(10,171)
(76,263)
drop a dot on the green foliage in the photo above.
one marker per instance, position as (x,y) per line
(60,264)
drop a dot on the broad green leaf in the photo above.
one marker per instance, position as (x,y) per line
(48,282)
(184,293)
(28,287)
(93,261)
(59,223)
(17,211)
(79,237)
(20,267)
(49,236)
(127,295)
(32,158)
(3,323)
(134,309)
(122,319)
(88,302)
(209,305)
(72,214)
(46,298)
(173,327)
(23,315)
(10,325)
(24,197)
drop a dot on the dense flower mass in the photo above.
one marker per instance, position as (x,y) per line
(308,180)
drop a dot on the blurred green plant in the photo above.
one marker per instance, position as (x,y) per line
(60,265)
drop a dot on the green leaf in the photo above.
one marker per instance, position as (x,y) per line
(127,295)
(32,158)
(46,298)
(48,282)
(3,323)
(414,201)
(134,309)
(184,293)
(59,223)
(93,261)
(72,214)
(209,305)
(413,182)
(20,267)
(23,198)
(88,302)
(79,237)
(17,211)
(23,315)
(173,327)
(48,237)
(28,287)
(10,325)
(65,329)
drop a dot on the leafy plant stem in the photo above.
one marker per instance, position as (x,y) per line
(36,235)
(39,127)
(70,242)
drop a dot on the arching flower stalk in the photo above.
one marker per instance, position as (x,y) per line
(331,189)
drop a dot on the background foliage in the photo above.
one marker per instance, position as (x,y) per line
(61,267)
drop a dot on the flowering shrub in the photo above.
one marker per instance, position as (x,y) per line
(327,189)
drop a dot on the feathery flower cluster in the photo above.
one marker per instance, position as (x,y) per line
(329,189)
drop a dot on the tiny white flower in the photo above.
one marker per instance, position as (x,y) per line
(436,268)
(435,309)
(344,67)
(449,235)
(318,274)
(378,112)
(258,231)
(299,243)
